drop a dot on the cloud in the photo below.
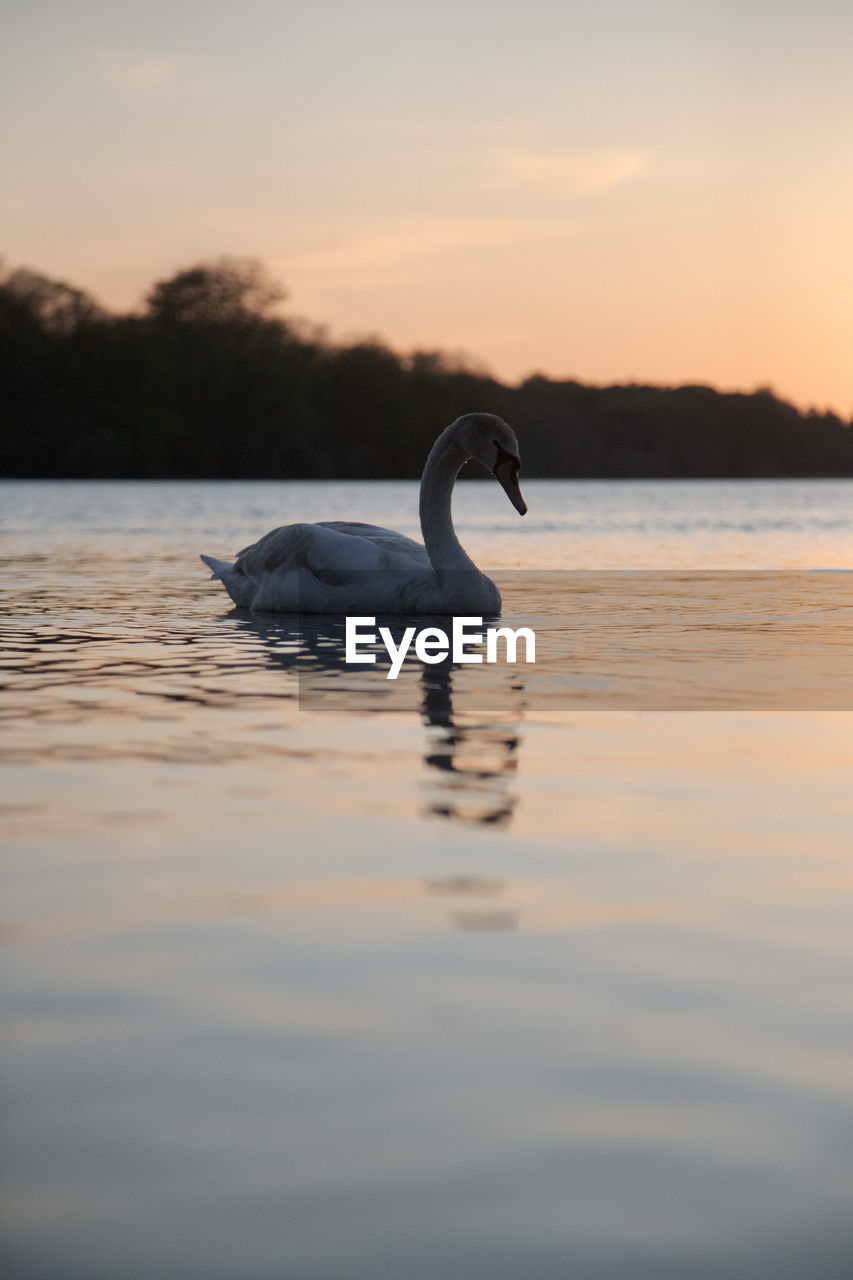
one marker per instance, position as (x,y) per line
(563,173)
(405,241)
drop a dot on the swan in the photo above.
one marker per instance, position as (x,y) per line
(348,567)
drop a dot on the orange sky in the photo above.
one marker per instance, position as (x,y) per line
(660,192)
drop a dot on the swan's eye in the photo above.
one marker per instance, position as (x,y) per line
(503,458)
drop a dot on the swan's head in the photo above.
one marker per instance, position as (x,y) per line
(492,442)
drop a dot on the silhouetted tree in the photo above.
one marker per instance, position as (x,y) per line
(230,291)
(53,306)
(209,381)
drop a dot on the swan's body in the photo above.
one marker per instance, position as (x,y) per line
(342,567)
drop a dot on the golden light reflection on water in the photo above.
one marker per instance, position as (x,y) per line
(622,811)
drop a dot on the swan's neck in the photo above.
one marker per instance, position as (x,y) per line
(446,459)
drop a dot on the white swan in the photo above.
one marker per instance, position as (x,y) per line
(341,567)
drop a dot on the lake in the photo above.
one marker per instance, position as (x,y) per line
(520,971)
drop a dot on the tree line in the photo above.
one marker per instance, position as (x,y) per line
(208,380)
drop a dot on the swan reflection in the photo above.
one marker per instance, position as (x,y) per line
(474,759)
(476,909)
(470,756)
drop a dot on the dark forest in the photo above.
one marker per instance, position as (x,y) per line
(207,380)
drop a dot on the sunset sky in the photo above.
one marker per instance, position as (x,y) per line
(659,191)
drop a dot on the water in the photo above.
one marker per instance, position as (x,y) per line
(536,971)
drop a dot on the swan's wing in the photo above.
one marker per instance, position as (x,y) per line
(404,550)
(335,548)
(328,568)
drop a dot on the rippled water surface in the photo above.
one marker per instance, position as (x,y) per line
(519,972)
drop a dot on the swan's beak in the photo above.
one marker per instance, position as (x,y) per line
(506,470)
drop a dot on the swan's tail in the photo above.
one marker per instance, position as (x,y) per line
(240,588)
(218,568)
